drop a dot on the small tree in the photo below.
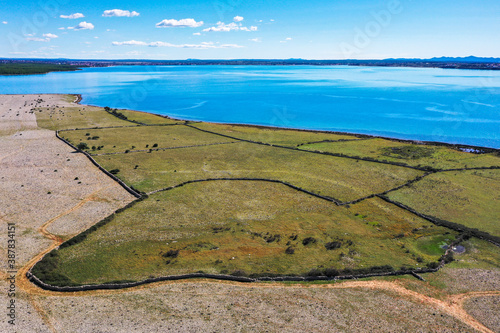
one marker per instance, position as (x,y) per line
(82,146)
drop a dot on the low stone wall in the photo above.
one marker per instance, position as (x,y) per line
(122,184)
(221,277)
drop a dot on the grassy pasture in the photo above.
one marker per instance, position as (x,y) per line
(283,137)
(81,116)
(147,118)
(228,226)
(470,198)
(115,140)
(415,155)
(340,178)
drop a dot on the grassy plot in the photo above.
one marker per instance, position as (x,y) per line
(244,227)
(147,118)
(58,118)
(470,198)
(283,137)
(112,140)
(340,178)
(415,155)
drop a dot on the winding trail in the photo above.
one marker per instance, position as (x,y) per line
(21,279)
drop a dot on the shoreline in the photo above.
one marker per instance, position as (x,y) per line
(456,146)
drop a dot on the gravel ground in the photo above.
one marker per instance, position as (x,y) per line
(486,310)
(219,307)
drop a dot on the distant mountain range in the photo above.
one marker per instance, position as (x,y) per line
(452,59)
(470,62)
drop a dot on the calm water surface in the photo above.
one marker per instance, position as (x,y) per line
(455,106)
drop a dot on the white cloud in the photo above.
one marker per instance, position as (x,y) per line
(5,22)
(119,13)
(196,34)
(83,26)
(36,39)
(221,26)
(271,20)
(47,38)
(72,16)
(201,46)
(238,19)
(189,22)
(256,40)
(288,38)
(130,42)
(252,28)
(61,28)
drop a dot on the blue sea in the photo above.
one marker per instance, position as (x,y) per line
(446,105)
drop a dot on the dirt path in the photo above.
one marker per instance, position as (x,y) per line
(22,280)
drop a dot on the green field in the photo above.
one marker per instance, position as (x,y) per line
(344,179)
(230,226)
(283,137)
(147,118)
(258,227)
(470,198)
(80,116)
(141,138)
(414,155)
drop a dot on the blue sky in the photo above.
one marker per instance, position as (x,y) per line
(256,29)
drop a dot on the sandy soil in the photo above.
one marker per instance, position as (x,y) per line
(28,159)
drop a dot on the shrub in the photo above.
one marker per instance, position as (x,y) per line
(309,240)
(82,146)
(114,171)
(155,145)
(290,250)
(433,265)
(333,245)
(171,254)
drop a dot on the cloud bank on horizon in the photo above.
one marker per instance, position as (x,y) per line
(325,29)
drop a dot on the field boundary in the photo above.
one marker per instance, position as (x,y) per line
(447,224)
(129,189)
